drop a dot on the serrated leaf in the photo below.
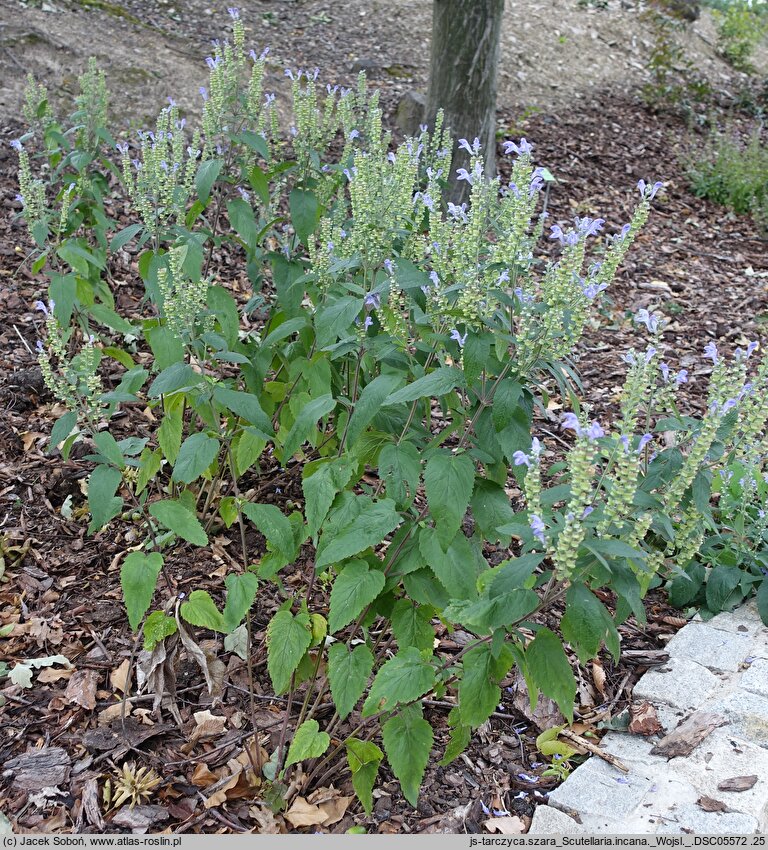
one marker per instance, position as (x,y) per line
(362,523)
(321,488)
(246,406)
(586,622)
(411,625)
(761,599)
(200,610)
(407,742)
(206,176)
(308,743)
(400,470)
(550,671)
(305,423)
(305,213)
(355,587)
(138,578)
(274,525)
(721,583)
(448,481)
(170,430)
(196,454)
(62,429)
(368,405)
(437,383)
(403,678)
(460,736)
(241,591)
(175,377)
(181,521)
(157,627)
(456,568)
(348,674)
(364,758)
(288,638)
(102,502)
(479,691)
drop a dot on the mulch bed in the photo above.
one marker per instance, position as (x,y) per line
(705,269)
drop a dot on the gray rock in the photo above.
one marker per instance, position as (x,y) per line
(747,714)
(596,788)
(755,678)
(714,648)
(693,818)
(680,682)
(410,112)
(549,821)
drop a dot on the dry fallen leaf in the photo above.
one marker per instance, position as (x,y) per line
(266,820)
(207,726)
(506,826)
(598,677)
(303,813)
(81,689)
(119,676)
(53,674)
(112,712)
(644,720)
(203,777)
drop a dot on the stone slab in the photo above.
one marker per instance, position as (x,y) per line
(633,750)
(693,819)
(747,714)
(550,821)
(743,620)
(720,757)
(755,678)
(680,682)
(715,649)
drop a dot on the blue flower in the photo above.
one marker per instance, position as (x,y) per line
(122,147)
(473,149)
(455,335)
(39,306)
(372,301)
(503,277)
(523,147)
(587,511)
(710,350)
(664,372)
(353,135)
(570,422)
(681,377)
(463,174)
(538,528)
(592,290)
(39,346)
(594,431)
(650,320)
(269,99)
(589,226)
(648,192)
(367,323)
(203,93)
(243,194)
(520,458)
(16,145)
(433,276)
(233,13)
(458,212)
(644,440)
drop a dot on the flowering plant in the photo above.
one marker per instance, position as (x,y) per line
(392,354)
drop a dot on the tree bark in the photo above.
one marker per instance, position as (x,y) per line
(462,82)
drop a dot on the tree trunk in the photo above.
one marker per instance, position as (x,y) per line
(462,81)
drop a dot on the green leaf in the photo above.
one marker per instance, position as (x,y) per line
(124,236)
(174,378)
(550,671)
(361,524)
(246,406)
(586,623)
(274,525)
(761,599)
(348,674)
(460,737)
(305,423)
(308,743)
(368,405)
(62,429)
(491,509)
(166,346)
(170,430)
(288,638)
(721,583)
(224,308)
(336,320)
(457,568)
(151,461)
(411,625)
(102,502)
(305,213)
(479,691)
(197,453)
(138,578)
(320,489)
(403,678)
(437,383)
(200,610)
(181,521)
(206,177)
(355,587)
(364,758)
(400,470)
(109,449)
(157,627)
(407,742)
(241,591)
(448,481)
